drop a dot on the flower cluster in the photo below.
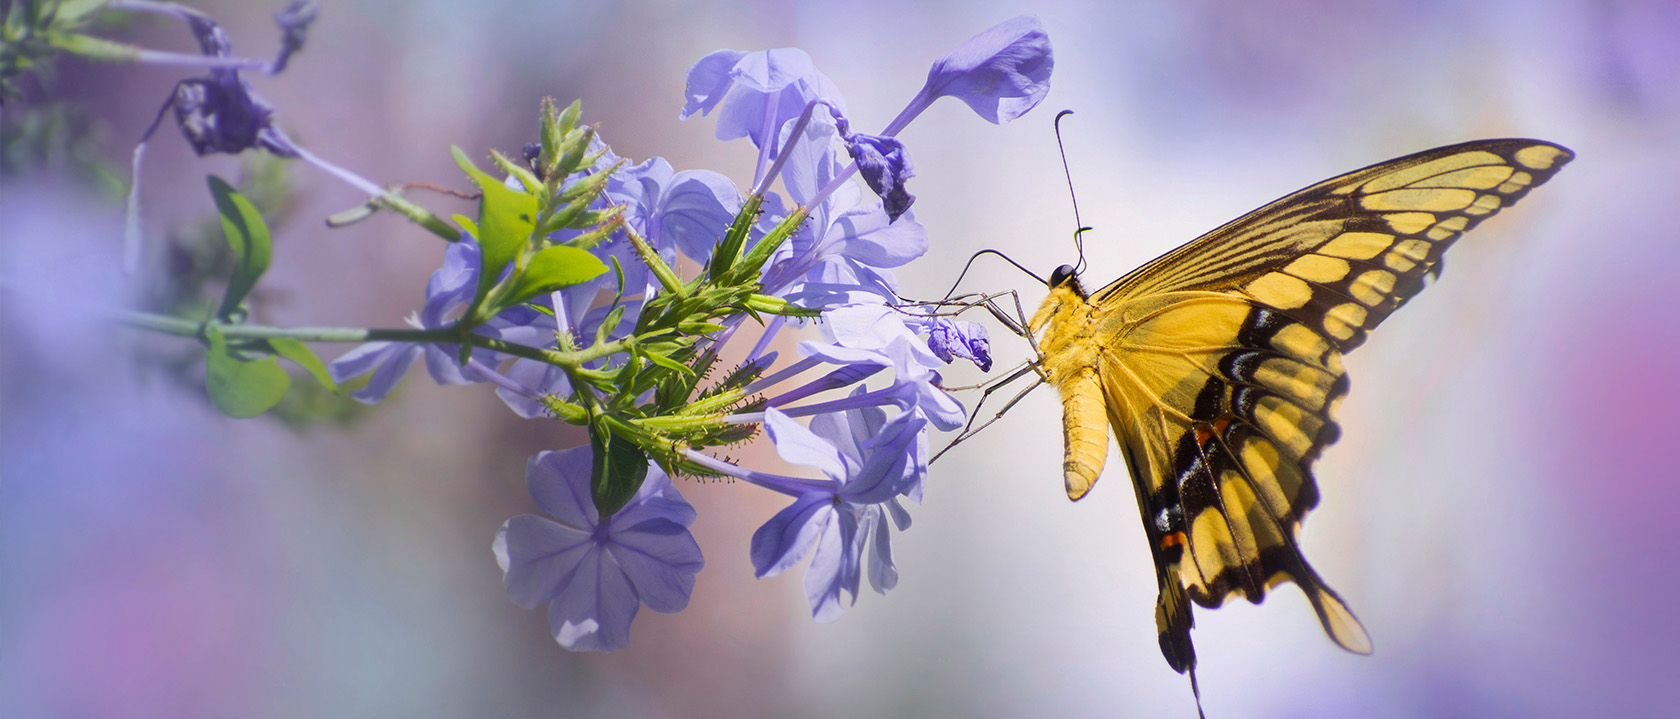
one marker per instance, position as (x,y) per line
(869,445)
(562,293)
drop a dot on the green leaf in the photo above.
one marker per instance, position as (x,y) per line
(729,247)
(555,267)
(505,220)
(466,223)
(609,323)
(300,354)
(617,469)
(668,363)
(242,388)
(247,235)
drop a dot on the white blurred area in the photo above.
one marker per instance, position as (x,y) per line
(1490,513)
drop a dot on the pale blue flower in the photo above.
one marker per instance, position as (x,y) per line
(450,288)
(876,337)
(1000,73)
(951,339)
(596,573)
(868,461)
(756,93)
(847,240)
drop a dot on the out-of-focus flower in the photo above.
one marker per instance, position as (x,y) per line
(596,573)
(450,288)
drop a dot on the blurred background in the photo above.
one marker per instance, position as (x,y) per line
(1498,512)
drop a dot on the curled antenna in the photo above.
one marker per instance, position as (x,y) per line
(1078,242)
(976,256)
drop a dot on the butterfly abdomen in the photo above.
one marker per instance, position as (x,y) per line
(1069,364)
(1084,431)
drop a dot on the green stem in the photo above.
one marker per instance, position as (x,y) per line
(419,215)
(188,328)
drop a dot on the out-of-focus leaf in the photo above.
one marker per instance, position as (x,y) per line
(242,388)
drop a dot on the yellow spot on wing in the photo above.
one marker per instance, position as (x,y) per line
(1241,501)
(1279,479)
(1398,262)
(1443,165)
(1338,327)
(1318,268)
(1351,314)
(1538,157)
(1210,544)
(1409,223)
(1372,287)
(1358,245)
(1483,205)
(1426,200)
(1283,422)
(1414,250)
(1476,178)
(1280,290)
(1517,182)
(1297,340)
(1298,381)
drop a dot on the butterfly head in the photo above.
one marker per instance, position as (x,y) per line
(1067,276)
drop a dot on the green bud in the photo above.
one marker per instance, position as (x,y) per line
(527,179)
(574,148)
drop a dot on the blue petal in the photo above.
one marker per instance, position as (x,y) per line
(799,445)
(390,359)
(1001,73)
(772,70)
(834,567)
(559,485)
(813,159)
(443,363)
(695,212)
(594,611)
(885,167)
(541,557)
(540,376)
(658,499)
(638,189)
(883,474)
(660,558)
(707,82)
(771,88)
(785,539)
(876,240)
(883,574)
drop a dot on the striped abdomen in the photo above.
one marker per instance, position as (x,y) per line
(1084,431)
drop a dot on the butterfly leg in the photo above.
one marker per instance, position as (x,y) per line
(969,430)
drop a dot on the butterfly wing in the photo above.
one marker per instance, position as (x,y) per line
(1220,363)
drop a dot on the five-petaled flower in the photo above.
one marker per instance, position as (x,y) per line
(596,573)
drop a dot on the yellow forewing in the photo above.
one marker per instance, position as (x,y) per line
(1219,365)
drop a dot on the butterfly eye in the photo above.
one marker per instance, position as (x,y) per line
(1061,276)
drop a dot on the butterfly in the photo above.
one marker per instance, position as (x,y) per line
(1219,366)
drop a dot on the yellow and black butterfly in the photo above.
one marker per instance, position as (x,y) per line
(1219,365)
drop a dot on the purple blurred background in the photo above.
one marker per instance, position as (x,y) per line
(1500,512)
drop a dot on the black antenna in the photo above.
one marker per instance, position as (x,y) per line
(1078,242)
(990,252)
